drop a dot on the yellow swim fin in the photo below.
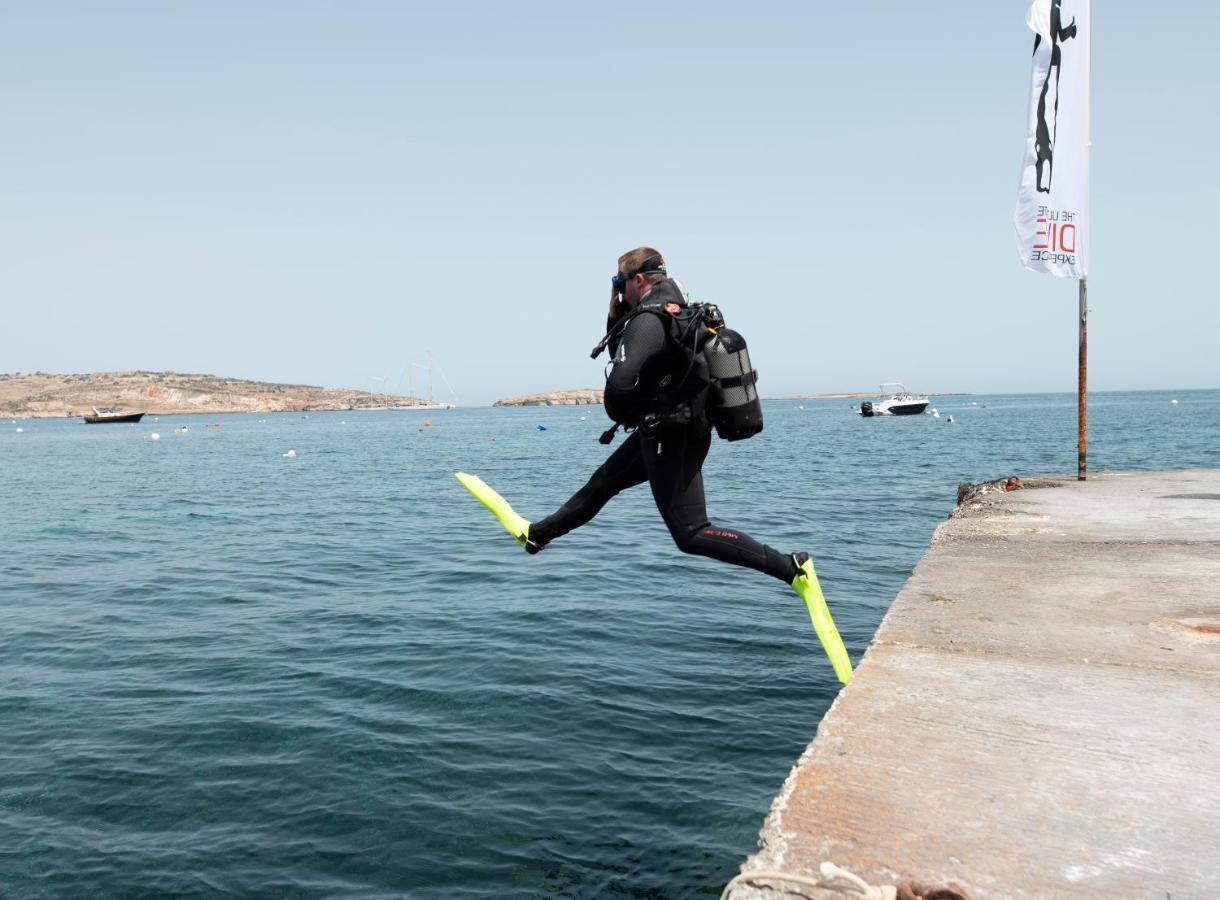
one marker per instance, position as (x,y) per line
(807,588)
(514,524)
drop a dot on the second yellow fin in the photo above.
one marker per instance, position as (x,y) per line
(516,525)
(807,588)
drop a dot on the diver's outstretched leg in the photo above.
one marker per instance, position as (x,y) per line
(674,460)
(736,548)
(623,469)
(674,464)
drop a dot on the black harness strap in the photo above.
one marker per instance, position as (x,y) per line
(745,380)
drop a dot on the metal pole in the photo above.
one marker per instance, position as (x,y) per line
(1082,399)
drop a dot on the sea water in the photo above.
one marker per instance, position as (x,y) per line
(225,672)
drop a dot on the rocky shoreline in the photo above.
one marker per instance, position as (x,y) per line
(581,397)
(160,393)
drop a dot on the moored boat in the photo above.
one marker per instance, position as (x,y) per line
(104,414)
(900,402)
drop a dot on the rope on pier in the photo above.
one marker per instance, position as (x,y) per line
(851,884)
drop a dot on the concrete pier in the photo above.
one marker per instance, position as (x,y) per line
(1039,712)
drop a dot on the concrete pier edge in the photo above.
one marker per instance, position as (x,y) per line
(1038,714)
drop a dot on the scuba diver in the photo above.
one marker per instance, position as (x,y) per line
(675,373)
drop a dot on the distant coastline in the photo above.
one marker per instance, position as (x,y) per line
(42,395)
(851,395)
(49,396)
(593,397)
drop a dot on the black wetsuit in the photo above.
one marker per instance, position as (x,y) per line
(648,366)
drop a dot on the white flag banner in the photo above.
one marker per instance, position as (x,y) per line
(1052,215)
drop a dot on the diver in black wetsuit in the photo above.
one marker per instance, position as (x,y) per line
(653,388)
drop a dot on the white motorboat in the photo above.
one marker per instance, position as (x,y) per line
(896,401)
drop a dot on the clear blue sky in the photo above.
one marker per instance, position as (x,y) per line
(323,192)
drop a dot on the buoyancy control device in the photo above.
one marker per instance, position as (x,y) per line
(731,401)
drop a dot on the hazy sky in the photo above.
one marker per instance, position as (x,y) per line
(324,192)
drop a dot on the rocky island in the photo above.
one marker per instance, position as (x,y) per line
(47,396)
(581,397)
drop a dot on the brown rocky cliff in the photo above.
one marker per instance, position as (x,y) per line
(45,396)
(582,397)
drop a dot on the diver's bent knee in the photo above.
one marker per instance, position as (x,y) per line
(689,542)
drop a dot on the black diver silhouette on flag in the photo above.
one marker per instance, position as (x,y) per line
(1044,138)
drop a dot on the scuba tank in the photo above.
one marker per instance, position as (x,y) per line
(732,404)
(719,361)
(731,400)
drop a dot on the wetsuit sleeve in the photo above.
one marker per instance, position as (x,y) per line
(643,339)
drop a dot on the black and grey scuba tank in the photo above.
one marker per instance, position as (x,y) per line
(731,401)
(732,404)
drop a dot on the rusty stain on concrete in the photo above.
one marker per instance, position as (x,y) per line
(1197,626)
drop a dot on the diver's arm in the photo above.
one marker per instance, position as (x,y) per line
(643,338)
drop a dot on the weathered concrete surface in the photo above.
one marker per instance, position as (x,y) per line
(1039,712)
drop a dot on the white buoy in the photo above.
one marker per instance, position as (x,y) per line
(1173,402)
(155,436)
(935,413)
(19,430)
(291,454)
(582,418)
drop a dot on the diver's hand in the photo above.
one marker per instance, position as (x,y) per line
(617,308)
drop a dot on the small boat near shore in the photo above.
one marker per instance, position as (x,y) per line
(104,414)
(899,402)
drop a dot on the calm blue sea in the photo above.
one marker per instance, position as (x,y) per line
(227,673)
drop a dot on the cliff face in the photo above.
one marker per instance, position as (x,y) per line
(45,396)
(582,397)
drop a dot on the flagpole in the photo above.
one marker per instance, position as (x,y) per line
(1054,232)
(1082,400)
